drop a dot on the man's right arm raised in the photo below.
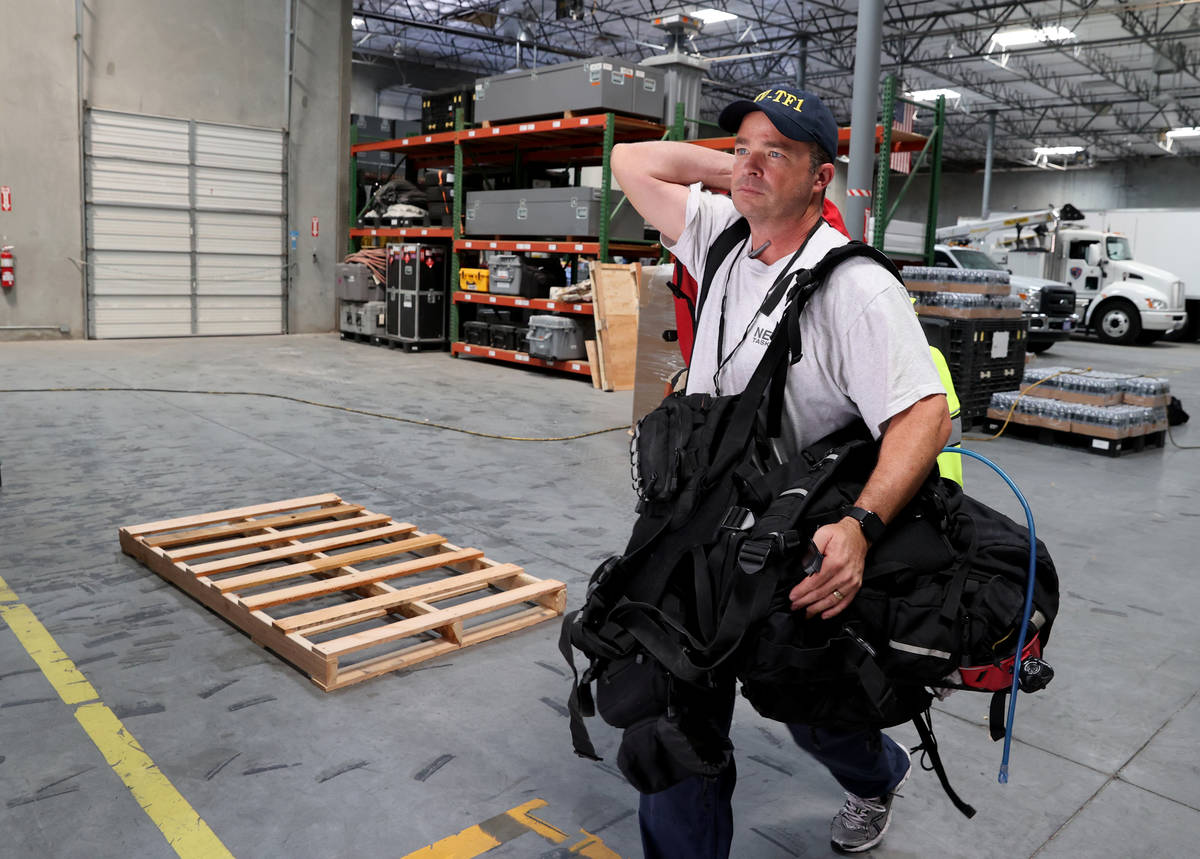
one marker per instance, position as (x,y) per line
(655,176)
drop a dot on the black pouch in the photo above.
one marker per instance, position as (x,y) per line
(821,673)
(992,615)
(658,752)
(631,689)
(922,645)
(656,450)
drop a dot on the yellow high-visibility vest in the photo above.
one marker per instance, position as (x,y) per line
(949,464)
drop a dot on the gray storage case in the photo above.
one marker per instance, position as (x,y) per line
(354,282)
(550,212)
(555,338)
(597,84)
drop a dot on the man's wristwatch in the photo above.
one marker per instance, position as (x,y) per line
(872,526)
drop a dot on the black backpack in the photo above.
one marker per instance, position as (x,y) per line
(699,597)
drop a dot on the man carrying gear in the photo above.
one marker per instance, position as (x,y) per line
(865,357)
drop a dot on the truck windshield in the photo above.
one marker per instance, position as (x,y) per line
(1118,248)
(976,260)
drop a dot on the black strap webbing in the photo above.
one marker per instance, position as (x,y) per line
(579,702)
(930,748)
(997,715)
(722,246)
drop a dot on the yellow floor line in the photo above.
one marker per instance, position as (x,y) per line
(179,823)
(476,840)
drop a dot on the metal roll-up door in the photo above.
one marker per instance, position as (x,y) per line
(185,227)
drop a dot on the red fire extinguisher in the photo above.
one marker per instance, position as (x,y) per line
(8,273)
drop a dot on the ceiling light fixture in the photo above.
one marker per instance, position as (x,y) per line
(1057,150)
(358,23)
(713,16)
(931,95)
(1185,131)
(1031,36)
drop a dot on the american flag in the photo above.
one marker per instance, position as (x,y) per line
(903,121)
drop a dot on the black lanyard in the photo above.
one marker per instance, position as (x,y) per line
(769,302)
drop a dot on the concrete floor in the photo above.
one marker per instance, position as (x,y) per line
(1104,763)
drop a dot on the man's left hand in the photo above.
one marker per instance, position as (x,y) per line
(831,589)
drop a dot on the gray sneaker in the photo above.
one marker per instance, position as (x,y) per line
(862,822)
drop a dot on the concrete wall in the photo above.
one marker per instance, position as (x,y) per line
(210,60)
(39,161)
(319,153)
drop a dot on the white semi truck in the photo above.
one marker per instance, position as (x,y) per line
(1165,238)
(1122,300)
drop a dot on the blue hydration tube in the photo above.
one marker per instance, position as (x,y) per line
(1028,612)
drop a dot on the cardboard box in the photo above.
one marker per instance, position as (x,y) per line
(956,286)
(967,313)
(1030,420)
(1141,400)
(1113,399)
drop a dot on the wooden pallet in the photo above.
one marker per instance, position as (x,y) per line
(1080,441)
(309,578)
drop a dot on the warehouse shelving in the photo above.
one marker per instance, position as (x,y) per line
(581,367)
(930,148)
(403,232)
(550,306)
(569,141)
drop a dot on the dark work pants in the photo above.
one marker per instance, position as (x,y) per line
(694,819)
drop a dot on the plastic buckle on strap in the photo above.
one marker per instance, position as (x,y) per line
(737,519)
(753,554)
(603,573)
(793,545)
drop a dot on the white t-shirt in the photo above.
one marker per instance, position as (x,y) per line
(864,351)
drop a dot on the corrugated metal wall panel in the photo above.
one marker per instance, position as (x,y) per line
(238,314)
(138,138)
(119,229)
(133,273)
(186,227)
(237,147)
(133,183)
(218,188)
(230,274)
(142,316)
(224,232)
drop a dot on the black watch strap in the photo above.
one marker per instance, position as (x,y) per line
(872,526)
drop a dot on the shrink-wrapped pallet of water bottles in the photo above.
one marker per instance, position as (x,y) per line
(1086,402)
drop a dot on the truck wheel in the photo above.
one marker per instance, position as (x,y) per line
(1037,347)
(1117,321)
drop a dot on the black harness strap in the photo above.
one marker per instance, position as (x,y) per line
(929,746)
(579,702)
(722,246)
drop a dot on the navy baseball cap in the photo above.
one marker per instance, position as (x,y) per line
(797,114)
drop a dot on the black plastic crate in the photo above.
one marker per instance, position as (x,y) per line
(492,315)
(974,398)
(1007,370)
(970,340)
(437,108)
(477,333)
(509,337)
